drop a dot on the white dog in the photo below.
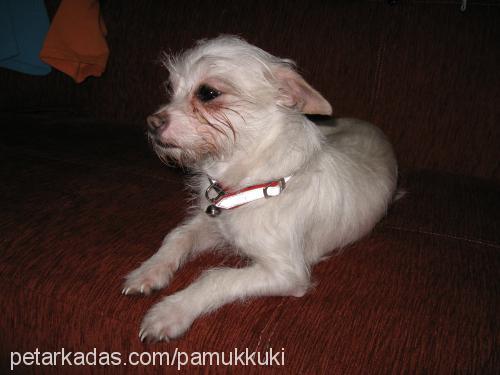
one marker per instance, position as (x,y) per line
(269,182)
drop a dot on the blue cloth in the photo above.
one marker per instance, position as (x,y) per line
(23,27)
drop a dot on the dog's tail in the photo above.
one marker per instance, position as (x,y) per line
(400,193)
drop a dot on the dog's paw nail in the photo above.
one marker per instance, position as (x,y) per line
(166,321)
(147,278)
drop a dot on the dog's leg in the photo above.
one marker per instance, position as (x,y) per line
(174,315)
(192,237)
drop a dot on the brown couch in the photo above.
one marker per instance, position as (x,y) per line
(84,201)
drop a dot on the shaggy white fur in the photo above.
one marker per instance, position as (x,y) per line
(237,116)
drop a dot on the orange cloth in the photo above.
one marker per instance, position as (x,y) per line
(75,43)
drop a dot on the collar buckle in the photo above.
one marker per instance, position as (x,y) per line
(281,186)
(214,186)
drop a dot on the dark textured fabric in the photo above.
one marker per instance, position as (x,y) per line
(422,70)
(84,203)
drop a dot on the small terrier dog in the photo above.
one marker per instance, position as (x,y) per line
(277,188)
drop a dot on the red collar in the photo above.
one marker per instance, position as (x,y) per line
(228,200)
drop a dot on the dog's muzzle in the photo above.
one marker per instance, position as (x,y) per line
(156,124)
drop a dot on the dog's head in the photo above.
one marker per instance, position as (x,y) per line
(225,94)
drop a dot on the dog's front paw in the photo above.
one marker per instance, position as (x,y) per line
(148,277)
(167,320)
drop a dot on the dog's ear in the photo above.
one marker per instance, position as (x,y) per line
(296,92)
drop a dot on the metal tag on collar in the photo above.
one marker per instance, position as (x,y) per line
(212,210)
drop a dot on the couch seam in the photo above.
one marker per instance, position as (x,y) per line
(271,318)
(443,235)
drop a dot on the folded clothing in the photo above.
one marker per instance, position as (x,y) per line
(23,26)
(75,43)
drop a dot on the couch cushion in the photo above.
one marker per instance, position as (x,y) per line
(84,203)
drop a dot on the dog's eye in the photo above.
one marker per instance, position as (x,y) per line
(206,93)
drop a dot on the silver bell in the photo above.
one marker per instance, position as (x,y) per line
(212,210)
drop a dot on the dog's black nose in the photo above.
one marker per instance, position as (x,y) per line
(155,121)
